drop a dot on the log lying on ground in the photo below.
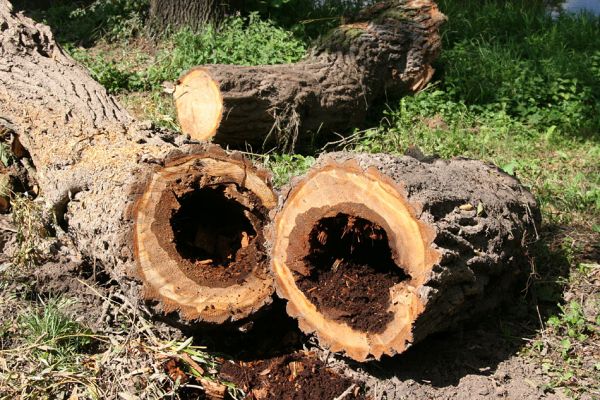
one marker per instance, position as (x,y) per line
(387,49)
(130,196)
(374,252)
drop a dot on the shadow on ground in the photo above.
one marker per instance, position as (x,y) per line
(485,349)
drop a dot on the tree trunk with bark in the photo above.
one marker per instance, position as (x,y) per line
(175,14)
(125,192)
(386,50)
(374,252)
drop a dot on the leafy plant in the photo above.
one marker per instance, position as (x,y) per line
(263,43)
(115,77)
(572,321)
(286,166)
(83,23)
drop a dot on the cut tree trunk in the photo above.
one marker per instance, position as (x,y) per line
(128,194)
(386,50)
(375,252)
(175,14)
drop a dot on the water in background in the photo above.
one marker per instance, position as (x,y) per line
(576,6)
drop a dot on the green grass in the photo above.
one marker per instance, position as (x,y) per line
(522,91)
(286,166)
(512,87)
(56,339)
(561,169)
(262,43)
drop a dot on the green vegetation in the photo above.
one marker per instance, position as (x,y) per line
(521,90)
(513,87)
(286,166)
(57,340)
(263,43)
(47,356)
(85,22)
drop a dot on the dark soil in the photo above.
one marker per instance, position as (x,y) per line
(298,376)
(352,271)
(215,230)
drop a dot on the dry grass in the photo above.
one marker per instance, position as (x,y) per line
(45,353)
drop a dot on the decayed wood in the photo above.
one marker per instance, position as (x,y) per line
(458,230)
(386,50)
(94,162)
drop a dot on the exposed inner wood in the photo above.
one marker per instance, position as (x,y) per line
(385,50)
(326,193)
(199,240)
(352,272)
(199,104)
(457,231)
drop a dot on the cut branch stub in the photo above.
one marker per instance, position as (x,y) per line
(199,238)
(385,50)
(374,253)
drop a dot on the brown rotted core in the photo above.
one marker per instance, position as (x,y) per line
(351,272)
(214,234)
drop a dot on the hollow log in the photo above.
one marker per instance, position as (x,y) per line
(184,219)
(386,49)
(375,252)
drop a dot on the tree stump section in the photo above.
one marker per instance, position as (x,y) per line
(183,218)
(374,253)
(385,50)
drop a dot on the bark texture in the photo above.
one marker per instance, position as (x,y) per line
(387,49)
(458,230)
(94,161)
(175,14)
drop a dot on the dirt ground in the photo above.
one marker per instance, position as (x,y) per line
(480,360)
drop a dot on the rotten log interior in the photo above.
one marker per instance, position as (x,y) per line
(199,238)
(373,253)
(385,50)
(94,163)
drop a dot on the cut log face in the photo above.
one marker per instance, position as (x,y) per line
(145,204)
(199,104)
(385,50)
(199,238)
(360,248)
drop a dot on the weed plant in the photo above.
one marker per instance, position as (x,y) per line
(514,86)
(239,41)
(521,89)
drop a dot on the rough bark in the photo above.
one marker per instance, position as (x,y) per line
(175,14)
(386,50)
(95,163)
(457,230)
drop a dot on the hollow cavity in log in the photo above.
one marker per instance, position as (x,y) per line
(352,272)
(457,229)
(199,238)
(336,196)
